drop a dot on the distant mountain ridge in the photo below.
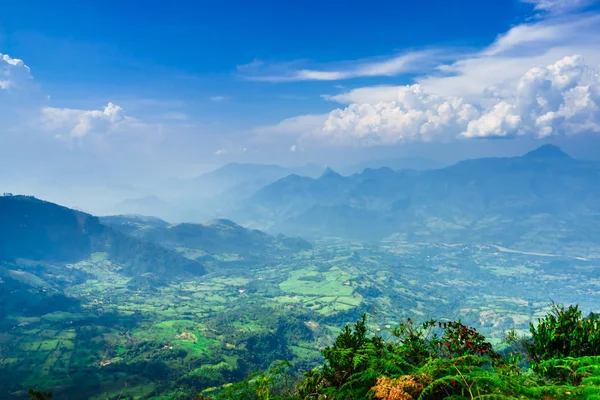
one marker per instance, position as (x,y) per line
(396,164)
(215,236)
(544,200)
(42,231)
(210,195)
(244,178)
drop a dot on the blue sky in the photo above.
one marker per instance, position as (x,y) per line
(120,92)
(91,53)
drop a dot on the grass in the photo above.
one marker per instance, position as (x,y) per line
(200,347)
(48,345)
(332,282)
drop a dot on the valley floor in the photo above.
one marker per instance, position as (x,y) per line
(148,338)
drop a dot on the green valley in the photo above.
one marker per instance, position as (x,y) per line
(107,335)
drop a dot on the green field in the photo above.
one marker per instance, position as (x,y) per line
(114,340)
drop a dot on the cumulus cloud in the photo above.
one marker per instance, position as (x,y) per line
(414,114)
(14,74)
(57,152)
(71,123)
(560,99)
(25,111)
(500,121)
(20,97)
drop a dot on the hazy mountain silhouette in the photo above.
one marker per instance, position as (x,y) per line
(215,236)
(540,199)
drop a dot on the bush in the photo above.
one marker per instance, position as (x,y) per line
(564,332)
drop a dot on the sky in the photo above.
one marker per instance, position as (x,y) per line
(99,94)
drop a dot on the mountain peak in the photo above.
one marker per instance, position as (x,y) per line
(329,173)
(548,151)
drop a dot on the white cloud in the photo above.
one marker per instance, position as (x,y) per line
(20,97)
(370,94)
(68,123)
(25,111)
(413,115)
(45,146)
(295,126)
(293,148)
(383,66)
(541,35)
(217,99)
(500,121)
(515,52)
(562,98)
(559,6)
(14,74)
(510,56)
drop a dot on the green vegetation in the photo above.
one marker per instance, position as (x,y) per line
(565,333)
(91,331)
(124,318)
(444,360)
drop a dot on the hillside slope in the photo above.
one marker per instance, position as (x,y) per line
(33,229)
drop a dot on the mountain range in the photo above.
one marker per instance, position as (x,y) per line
(397,163)
(543,201)
(210,195)
(215,194)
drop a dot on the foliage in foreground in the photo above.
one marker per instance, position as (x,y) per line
(445,360)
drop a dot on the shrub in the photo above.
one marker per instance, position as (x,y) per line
(564,332)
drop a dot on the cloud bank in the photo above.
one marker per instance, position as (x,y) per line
(562,98)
